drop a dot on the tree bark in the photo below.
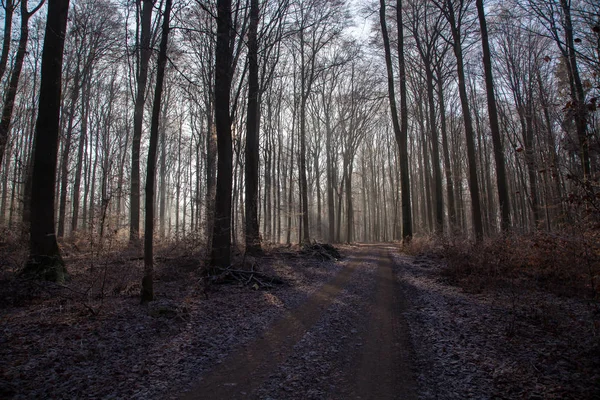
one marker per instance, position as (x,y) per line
(503,198)
(400,132)
(446,152)
(163,167)
(147,292)
(80,152)
(221,238)
(45,261)
(402,140)
(578,93)
(62,208)
(437,172)
(303,179)
(469,133)
(252,235)
(138,117)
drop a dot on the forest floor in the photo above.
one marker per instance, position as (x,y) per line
(375,325)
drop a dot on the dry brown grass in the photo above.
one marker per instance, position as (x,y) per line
(565,263)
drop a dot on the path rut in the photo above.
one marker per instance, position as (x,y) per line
(376,365)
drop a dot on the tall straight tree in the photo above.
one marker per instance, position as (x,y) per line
(426,27)
(503,199)
(454,11)
(147,281)
(252,135)
(45,260)
(390,70)
(403,138)
(221,239)
(400,130)
(138,115)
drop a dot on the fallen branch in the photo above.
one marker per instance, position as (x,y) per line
(325,251)
(246,277)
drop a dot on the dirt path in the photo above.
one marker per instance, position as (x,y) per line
(384,371)
(370,361)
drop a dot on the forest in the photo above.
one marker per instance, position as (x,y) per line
(253,153)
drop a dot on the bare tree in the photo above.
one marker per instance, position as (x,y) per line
(221,238)
(556,17)
(45,260)
(400,129)
(252,135)
(11,93)
(318,23)
(9,10)
(145,52)
(455,12)
(426,27)
(503,198)
(147,293)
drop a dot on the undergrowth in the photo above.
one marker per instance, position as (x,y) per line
(565,263)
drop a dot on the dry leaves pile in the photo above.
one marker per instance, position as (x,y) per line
(91,338)
(500,343)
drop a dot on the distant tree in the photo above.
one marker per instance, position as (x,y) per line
(45,260)
(556,17)
(318,23)
(91,34)
(358,107)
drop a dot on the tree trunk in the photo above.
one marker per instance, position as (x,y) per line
(578,93)
(147,293)
(138,117)
(163,167)
(303,179)
(211,177)
(407,230)
(85,106)
(503,198)
(221,238)
(330,180)
(290,205)
(400,132)
(530,161)
(469,133)
(45,260)
(252,136)
(446,153)
(62,208)
(437,172)
(427,209)
(349,206)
